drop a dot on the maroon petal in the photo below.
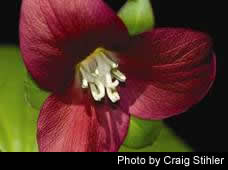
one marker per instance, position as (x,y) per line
(166,47)
(174,70)
(55,35)
(67,125)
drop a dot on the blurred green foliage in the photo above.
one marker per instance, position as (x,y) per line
(138,16)
(17,117)
(167,141)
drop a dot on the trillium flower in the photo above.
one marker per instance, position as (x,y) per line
(98,75)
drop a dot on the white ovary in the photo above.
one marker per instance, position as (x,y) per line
(101,75)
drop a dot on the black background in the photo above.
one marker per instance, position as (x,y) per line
(205,126)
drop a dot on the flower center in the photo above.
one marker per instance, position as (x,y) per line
(100,73)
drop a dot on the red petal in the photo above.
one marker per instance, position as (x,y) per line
(65,125)
(54,35)
(172,73)
(166,47)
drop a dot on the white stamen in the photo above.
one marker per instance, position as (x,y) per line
(84,81)
(118,75)
(113,96)
(115,84)
(101,89)
(109,61)
(110,83)
(85,84)
(96,72)
(94,92)
(100,80)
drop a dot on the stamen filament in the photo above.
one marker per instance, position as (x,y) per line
(98,73)
(94,92)
(101,89)
(118,75)
(85,84)
(109,61)
(84,81)
(110,83)
(113,96)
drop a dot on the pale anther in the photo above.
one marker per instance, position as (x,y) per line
(118,75)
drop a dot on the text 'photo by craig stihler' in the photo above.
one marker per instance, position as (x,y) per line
(171,161)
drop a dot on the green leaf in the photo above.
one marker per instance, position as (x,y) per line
(34,95)
(142,133)
(17,118)
(138,16)
(167,141)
